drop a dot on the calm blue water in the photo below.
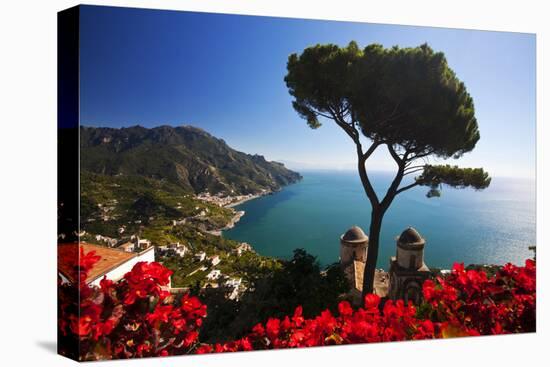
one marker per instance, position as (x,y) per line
(492,226)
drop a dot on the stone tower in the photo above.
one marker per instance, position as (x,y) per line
(353,256)
(407,269)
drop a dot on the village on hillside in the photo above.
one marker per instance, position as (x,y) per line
(193,262)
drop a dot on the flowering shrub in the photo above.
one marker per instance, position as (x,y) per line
(461,304)
(136,317)
(470,303)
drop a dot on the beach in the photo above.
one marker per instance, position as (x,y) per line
(245,199)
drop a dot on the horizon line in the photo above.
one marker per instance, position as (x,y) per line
(297,164)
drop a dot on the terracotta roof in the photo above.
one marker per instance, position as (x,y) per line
(355,235)
(110,259)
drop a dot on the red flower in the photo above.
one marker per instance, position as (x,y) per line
(143,348)
(106,285)
(344,308)
(458,268)
(179,325)
(146,279)
(81,326)
(326,321)
(204,349)
(272,328)
(258,330)
(160,314)
(372,301)
(192,306)
(425,330)
(297,338)
(245,344)
(298,319)
(190,338)
(87,261)
(428,290)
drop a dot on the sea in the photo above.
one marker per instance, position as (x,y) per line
(491,226)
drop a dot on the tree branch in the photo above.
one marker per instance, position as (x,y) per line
(394,155)
(405,188)
(413,171)
(371,150)
(405,157)
(392,190)
(421,155)
(346,110)
(352,132)
(322,114)
(361,160)
(348,128)
(407,168)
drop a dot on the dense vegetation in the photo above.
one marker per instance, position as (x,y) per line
(275,291)
(190,273)
(138,204)
(186,156)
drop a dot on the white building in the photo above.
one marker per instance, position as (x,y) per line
(180,249)
(242,248)
(179,222)
(114,263)
(214,274)
(127,246)
(233,282)
(200,256)
(142,244)
(173,249)
(107,240)
(215,260)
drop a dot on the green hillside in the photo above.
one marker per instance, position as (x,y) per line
(108,203)
(144,182)
(186,156)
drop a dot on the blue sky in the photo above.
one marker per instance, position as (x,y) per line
(224,73)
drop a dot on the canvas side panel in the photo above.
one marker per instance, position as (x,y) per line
(67,165)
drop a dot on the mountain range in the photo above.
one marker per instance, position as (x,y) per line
(185,155)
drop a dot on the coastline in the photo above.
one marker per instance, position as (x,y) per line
(237,217)
(242,201)
(231,224)
(238,213)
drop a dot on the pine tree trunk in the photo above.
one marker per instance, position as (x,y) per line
(372,249)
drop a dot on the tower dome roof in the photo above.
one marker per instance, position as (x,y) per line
(410,236)
(355,235)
